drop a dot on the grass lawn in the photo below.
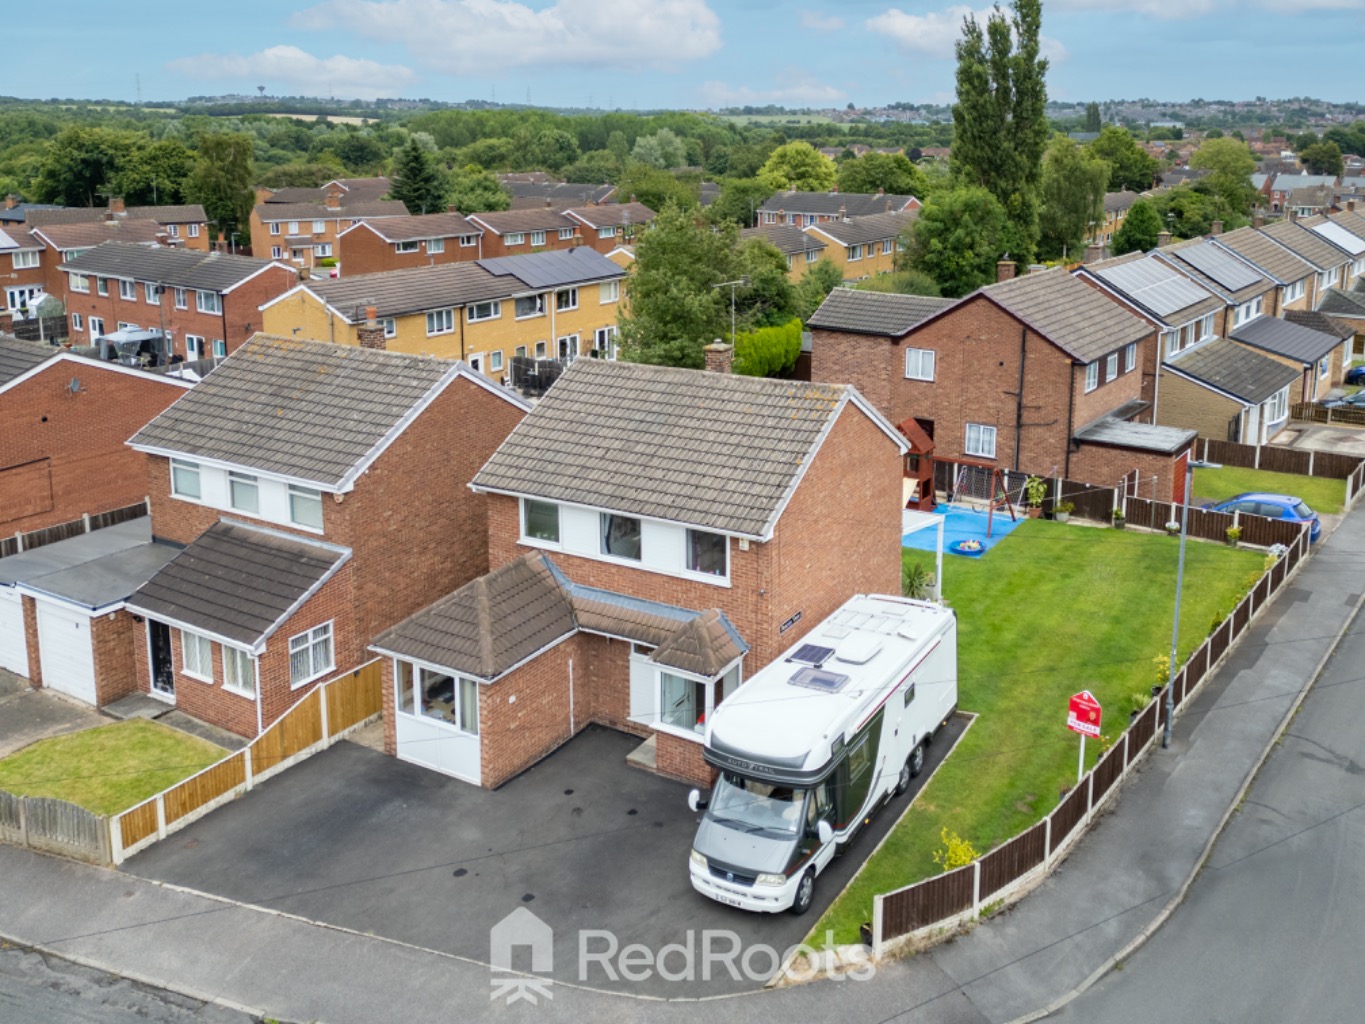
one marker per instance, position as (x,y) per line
(1323,494)
(1055,609)
(109,768)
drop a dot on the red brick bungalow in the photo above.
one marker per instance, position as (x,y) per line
(654,535)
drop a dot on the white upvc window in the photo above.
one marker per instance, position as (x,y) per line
(101,286)
(305,507)
(539,521)
(310,654)
(25,260)
(80,284)
(542,349)
(152,292)
(1294,292)
(566,299)
(185,481)
(468,241)
(1130,357)
(239,671)
(604,342)
(980,440)
(1206,325)
(1171,342)
(293,227)
(919,363)
(173,230)
(390,326)
(495,361)
(319,227)
(193,230)
(436,245)
(127,290)
(812,255)
(440,321)
(1328,278)
(276,252)
(410,245)
(196,656)
(606,232)
(686,703)
(323,249)
(274,227)
(426,693)
(244,493)
(620,536)
(1324,366)
(76,324)
(529,305)
(888,246)
(708,553)
(609,291)
(514,238)
(1092,376)
(1277,407)
(484,311)
(181,299)
(537,237)
(1111,367)
(220,348)
(208,302)
(855,253)
(566,234)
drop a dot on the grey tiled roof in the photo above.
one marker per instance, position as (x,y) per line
(830,204)
(174,268)
(1322,254)
(612,214)
(881,313)
(874,227)
(1339,302)
(1227,366)
(432,225)
(788,238)
(1145,436)
(18,357)
(1289,182)
(557,192)
(81,236)
(1274,260)
(237,581)
(1317,320)
(415,290)
(503,222)
(1118,202)
(307,410)
(1286,338)
(190,213)
(358,210)
(716,451)
(1081,321)
(556,268)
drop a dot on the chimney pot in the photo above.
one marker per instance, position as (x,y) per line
(1216,228)
(1163,239)
(720,357)
(1094,252)
(1004,269)
(116,206)
(371,334)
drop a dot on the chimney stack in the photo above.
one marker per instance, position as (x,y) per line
(1163,239)
(1350,206)
(720,357)
(11,201)
(1094,252)
(1258,217)
(1216,228)
(334,197)
(116,206)
(843,213)
(371,335)
(1004,269)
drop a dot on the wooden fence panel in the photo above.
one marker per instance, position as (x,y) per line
(1284,460)
(1139,733)
(138,823)
(1195,668)
(296,731)
(1013,860)
(1335,465)
(207,786)
(932,900)
(1181,686)
(1095,503)
(1106,772)
(1265,532)
(1228,453)
(1219,641)
(1069,813)
(114,516)
(354,698)
(66,828)
(1241,618)
(11,816)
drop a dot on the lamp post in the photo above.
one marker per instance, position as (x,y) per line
(1190,466)
(743,282)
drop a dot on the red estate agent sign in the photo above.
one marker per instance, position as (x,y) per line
(1083,714)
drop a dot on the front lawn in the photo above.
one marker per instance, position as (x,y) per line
(1052,610)
(1323,494)
(109,768)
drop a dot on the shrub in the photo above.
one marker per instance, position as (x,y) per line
(916,581)
(956,852)
(768,351)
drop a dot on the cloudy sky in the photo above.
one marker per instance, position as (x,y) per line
(675,53)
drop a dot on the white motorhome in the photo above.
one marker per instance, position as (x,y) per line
(814,743)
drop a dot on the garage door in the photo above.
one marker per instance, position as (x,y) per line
(13,649)
(64,650)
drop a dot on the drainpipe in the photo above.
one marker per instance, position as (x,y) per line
(1070,416)
(1019,400)
(460,312)
(256,664)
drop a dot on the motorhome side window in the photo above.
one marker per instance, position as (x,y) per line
(909,694)
(859,760)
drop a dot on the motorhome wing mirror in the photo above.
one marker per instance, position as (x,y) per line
(826,831)
(695,802)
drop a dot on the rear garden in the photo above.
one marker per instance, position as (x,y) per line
(1054,609)
(1323,494)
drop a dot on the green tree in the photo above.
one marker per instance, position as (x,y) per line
(892,173)
(1093,121)
(958,238)
(221,181)
(1130,168)
(490,154)
(902,282)
(155,174)
(815,286)
(1139,230)
(300,175)
(474,190)
(362,152)
(1214,133)
(799,166)
(739,201)
(1074,184)
(770,297)
(1230,165)
(1323,158)
(79,165)
(553,150)
(1190,210)
(655,188)
(768,351)
(999,120)
(663,150)
(419,182)
(598,167)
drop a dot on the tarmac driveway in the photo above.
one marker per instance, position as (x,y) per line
(355,838)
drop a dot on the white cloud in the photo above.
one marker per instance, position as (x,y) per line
(792,88)
(1177,10)
(935,34)
(818,22)
(287,69)
(477,36)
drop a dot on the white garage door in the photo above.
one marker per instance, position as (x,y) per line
(64,649)
(13,649)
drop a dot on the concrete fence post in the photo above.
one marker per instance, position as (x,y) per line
(1090,795)
(116,839)
(976,887)
(322,710)
(1310,461)
(160,817)
(19,540)
(23,820)
(85,521)
(246,766)
(878,927)
(1047,843)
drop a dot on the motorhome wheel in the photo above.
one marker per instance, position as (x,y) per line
(805,894)
(916,762)
(903,781)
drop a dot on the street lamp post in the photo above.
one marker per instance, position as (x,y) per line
(742,282)
(1190,466)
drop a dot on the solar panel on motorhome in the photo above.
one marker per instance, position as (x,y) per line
(811,654)
(1221,266)
(1150,283)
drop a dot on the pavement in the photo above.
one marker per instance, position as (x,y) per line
(28,715)
(1118,881)
(1340,438)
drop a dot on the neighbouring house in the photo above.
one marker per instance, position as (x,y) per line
(1330,263)
(610,225)
(1038,374)
(806,208)
(318,494)
(555,195)
(348,190)
(802,250)
(305,233)
(1116,207)
(864,246)
(515,232)
(61,243)
(185,225)
(1309,202)
(21,254)
(1245,291)
(549,305)
(1348,308)
(1319,356)
(14,212)
(207,304)
(398,243)
(1283,186)
(1346,231)
(646,554)
(1295,278)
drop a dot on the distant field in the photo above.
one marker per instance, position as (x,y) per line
(781,119)
(334,118)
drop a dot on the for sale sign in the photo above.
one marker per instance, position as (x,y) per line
(1083,714)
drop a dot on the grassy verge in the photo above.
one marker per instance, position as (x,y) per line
(1052,610)
(1323,494)
(109,768)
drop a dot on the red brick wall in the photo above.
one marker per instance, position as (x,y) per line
(681,759)
(361,251)
(515,735)
(35,669)
(493,244)
(113,638)
(1105,466)
(869,363)
(606,682)
(90,469)
(242,315)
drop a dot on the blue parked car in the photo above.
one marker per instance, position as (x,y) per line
(1355,375)
(1356,401)
(1273,506)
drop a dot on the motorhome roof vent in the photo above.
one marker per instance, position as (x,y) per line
(908,632)
(819,679)
(810,654)
(858,649)
(835,632)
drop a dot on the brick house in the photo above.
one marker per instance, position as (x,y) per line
(303,233)
(399,243)
(614,224)
(1347,308)
(516,232)
(64,242)
(1036,374)
(207,303)
(21,255)
(1346,231)
(864,246)
(1246,293)
(1331,265)
(806,208)
(1296,280)
(318,493)
(801,249)
(634,582)
(185,225)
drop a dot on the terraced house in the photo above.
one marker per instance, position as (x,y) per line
(186,225)
(635,581)
(398,243)
(550,305)
(516,232)
(806,208)
(305,232)
(802,249)
(863,246)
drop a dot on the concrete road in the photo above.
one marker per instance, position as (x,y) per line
(1273,928)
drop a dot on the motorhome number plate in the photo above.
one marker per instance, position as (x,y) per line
(729,901)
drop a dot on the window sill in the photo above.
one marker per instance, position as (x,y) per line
(246,694)
(196,676)
(313,678)
(682,734)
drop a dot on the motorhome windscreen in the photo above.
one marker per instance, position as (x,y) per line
(757,806)
(819,679)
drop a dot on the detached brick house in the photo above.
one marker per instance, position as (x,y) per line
(654,536)
(319,494)
(207,303)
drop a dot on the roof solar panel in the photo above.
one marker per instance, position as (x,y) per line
(1151,283)
(1340,237)
(1223,267)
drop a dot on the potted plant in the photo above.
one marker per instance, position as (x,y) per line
(1061,511)
(1234,535)
(1120,520)
(1035,490)
(1173,528)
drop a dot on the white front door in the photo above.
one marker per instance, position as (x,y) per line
(65,652)
(13,646)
